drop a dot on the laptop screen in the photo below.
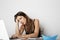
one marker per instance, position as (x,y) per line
(3,32)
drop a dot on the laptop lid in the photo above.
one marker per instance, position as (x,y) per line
(3,32)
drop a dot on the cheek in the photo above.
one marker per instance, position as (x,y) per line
(22,20)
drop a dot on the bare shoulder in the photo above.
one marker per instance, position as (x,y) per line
(36,20)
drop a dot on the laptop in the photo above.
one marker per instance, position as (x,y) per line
(3,32)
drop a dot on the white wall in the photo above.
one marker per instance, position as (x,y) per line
(48,12)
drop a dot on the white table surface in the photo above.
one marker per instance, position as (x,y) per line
(28,39)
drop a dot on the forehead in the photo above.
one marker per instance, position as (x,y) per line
(19,16)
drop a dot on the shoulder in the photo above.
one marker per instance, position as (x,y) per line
(36,20)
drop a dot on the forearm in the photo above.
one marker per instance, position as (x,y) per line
(20,31)
(33,35)
(17,30)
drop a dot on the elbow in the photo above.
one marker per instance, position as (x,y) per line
(36,34)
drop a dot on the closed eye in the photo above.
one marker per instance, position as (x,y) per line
(20,18)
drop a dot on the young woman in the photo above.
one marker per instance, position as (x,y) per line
(31,26)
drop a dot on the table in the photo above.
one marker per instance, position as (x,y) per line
(28,39)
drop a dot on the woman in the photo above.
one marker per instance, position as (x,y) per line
(31,26)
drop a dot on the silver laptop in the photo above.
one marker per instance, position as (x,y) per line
(3,32)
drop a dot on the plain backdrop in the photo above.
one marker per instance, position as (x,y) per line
(47,11)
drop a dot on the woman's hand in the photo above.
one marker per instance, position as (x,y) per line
(17,21)
(15,36)
(25,36)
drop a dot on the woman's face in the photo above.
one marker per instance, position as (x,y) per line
(21,19)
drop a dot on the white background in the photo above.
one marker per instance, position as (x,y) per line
(47,11)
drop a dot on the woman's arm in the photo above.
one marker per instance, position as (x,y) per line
(21,29)
(17,27)
(18,32)
(36,31)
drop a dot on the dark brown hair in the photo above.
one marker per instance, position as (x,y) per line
(29,22)
(20,14)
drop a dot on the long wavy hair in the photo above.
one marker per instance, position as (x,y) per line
(29,22)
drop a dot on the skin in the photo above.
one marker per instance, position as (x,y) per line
(23,21)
